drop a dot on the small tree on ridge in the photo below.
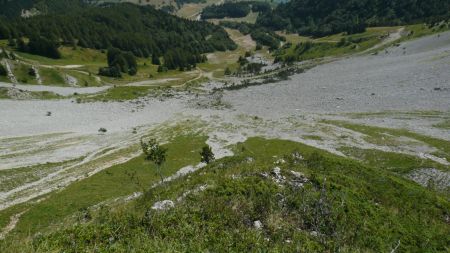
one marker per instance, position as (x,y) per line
(155,153)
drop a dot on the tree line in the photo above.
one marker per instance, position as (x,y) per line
(37,45)
(119,62)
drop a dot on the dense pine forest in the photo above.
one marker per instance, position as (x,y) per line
(141,30)
(324,17)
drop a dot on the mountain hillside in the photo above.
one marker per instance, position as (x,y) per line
(323,17)
(141,30)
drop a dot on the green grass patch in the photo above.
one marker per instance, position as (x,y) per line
(444,124)
(312,137)
(4,93)
(384,136)
(399,163)
(294,38)
(120,93)
(70,56)
(400,114)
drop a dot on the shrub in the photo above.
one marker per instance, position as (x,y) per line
(207,155)
(31,72)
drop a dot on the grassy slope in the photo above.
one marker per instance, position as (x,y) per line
(108,184)
(328,46)
(351,206)
(398,163)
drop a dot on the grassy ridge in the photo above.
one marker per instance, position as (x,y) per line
(345,206)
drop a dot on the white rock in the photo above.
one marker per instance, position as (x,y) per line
(163,205)
(249,159)
(276,171)
(70,80)
(135,195)
(280,161)
(257,224)
(314,233)
(297,174)
(297,156)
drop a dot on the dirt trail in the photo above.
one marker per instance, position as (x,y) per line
(201,74)
(11,225)
(391,38)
